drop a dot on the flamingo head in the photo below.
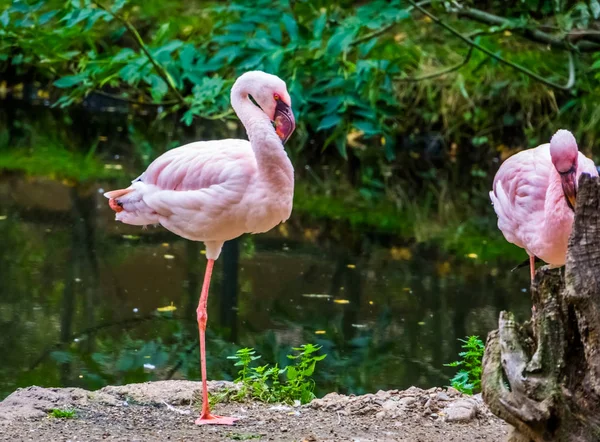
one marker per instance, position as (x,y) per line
(271,95)
(564,154)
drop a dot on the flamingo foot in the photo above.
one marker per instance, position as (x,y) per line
(210,419)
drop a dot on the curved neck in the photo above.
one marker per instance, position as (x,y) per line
(271,158)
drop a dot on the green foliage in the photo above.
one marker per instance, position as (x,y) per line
(264,382)
(468,378)
(56,162)
(62,414)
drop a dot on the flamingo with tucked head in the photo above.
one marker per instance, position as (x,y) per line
(534,197)
(214,191)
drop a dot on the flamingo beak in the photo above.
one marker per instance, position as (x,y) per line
(569,187)
(284,121)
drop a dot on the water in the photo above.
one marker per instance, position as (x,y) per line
(86,301)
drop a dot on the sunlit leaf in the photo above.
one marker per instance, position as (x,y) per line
(70,81)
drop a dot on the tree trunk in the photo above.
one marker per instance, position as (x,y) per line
(543,377)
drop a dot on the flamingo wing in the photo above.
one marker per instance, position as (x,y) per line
(189,187)
(519,194)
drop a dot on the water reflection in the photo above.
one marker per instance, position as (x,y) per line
(79,295)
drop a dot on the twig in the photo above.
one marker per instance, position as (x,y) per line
(159,69)
(531,34)
(502,60)
(373,34)
(449,69)
(176,410)
(444,71)
(131,101)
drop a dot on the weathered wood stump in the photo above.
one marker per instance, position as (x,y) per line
(543,377)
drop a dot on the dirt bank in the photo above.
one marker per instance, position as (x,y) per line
(165,410)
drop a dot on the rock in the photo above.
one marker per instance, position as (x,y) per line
(405,401)
(463,410)
(36,402)
(453,391)
(441,396)
(411,391)
(390,405)
(171,392)
(384,395)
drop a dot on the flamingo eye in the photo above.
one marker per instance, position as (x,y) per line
(276,97)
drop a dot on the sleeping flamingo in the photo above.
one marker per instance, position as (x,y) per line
(214,191)
(534,197)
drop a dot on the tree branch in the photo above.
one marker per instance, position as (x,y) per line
(532,34)
(138,38)
(132,101)
(502,60)
(440,73)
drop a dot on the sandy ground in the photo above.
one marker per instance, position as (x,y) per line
(166,410)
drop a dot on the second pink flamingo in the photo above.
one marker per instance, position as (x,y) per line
(534,197)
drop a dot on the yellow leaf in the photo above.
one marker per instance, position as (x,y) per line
(341,301)
(168,308)
(351,266)
(284,230)
(472,256)
(401,253)
(320,332)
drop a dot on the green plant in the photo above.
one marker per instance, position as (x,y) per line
(265,382)
(62,414)
(468,378)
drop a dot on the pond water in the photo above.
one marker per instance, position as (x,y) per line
(86,301)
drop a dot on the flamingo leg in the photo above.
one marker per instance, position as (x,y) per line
(532,267)
(205,417)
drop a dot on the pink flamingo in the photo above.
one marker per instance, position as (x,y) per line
(214,191)
(534,197)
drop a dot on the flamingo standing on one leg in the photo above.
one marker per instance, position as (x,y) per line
(214,191)
(534,197)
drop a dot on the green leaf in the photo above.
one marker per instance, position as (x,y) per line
(290,26)
(158,86)
(319,26)
(5,18)
(45,18)
(187,56)
(70,80)
(367,127)
(341,39)
(329,121)
(595,8)
(292,373)
(341,143)
(117,5)
(163,53)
